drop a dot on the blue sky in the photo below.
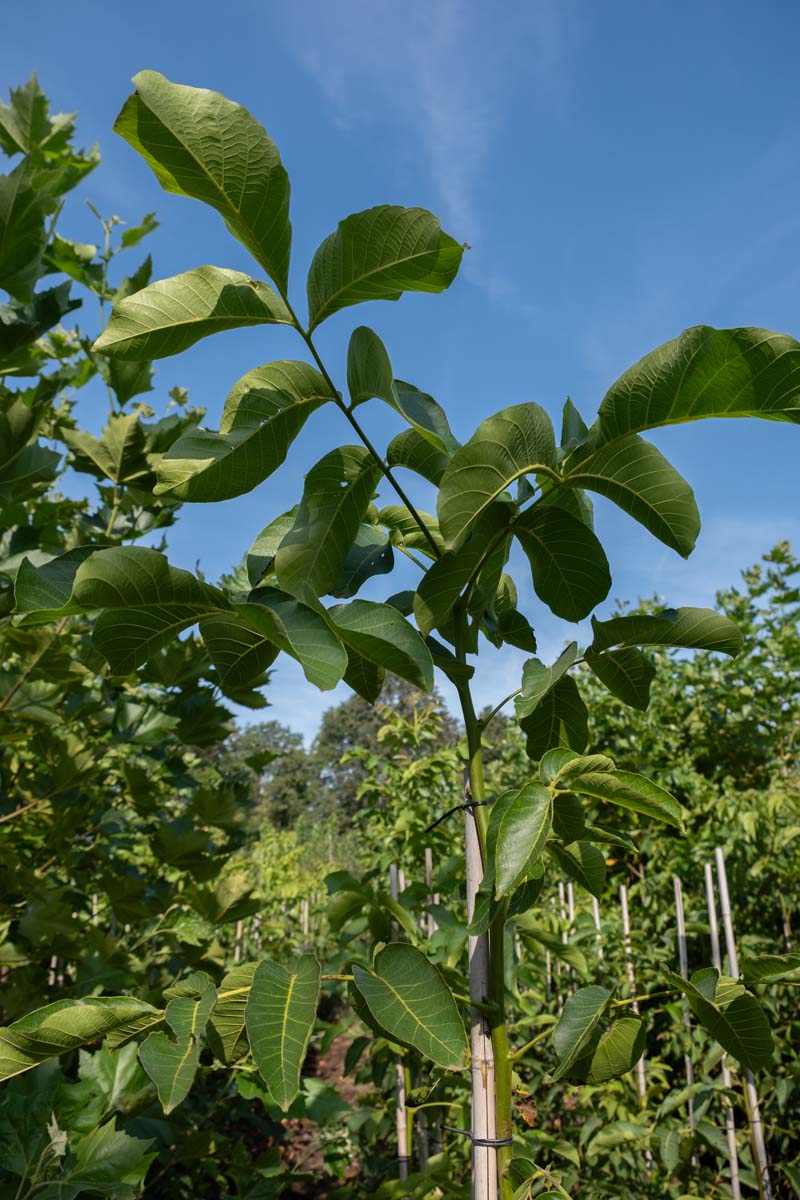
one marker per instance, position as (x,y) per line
(620,172)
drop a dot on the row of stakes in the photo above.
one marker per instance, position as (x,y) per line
(484,1126)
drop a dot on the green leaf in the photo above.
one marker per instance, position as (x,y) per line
(569,819)
(409,999)
(21,324)
(584,863)
(538,680)
(380,634)
(261,555)
(107,1162)
(263,414)
(559,719)
(740,1027)
(65,1025)
(369,368)
(581,1015)
(43,594)
(377,255)
(410,449)
(240,653)
(146,602)
(364,677)
(688,628)
(23,211)
(134,233)
(617,1051)
(764,968)
(627,673)
(444,581)
(300,631)
(336,496)
(705,372)
(280,1015)
(631,791)
(172,1063)
(573,427)
(514,442)
(573,955)
(406,532)
(637,477)
(521,836)
(569,566)
(169,316)
(201,144)
(370,554)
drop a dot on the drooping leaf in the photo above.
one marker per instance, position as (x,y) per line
(262,416)
(627,673)
(300,631)
(569,819)
(515,442)
(410,1000)
(584,863)
(379,633)
(23,211)
(618,1050)
(637,477)
(364,677)
(559,719)
(740,1027)
(337,493)
(279,1017)
(578,1021)
(377,255)
(21,324)
(172,1063)
(405,530)
(705,372)
(688,628)
(569,566)
(169,316)
(566,951)
(445,580)
(65,1025)
(410,449)
(764,968)
(146,602)
(538,680)
(521,836)
(44,593)
(370,554)
(200,144)
(629,790)
(240,653)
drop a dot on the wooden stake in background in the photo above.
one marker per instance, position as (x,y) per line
(716,961)
(401,1112)
(683,959)
(750,1093)
(641,1075)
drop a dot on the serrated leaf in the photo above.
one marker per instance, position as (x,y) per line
(172,1063)
(336,496)
(629,790)
(65,1025)
(380,634)
(23,211)
(263,414)
(169,316)
(706,372)
(279,1016)
(627,673)
(200,144)
(584,863)
(521,836)
(377,255)
(578,1021)
(409,999)
(569,566)
(686,628)
(637,477)
(300,631)
(514,442)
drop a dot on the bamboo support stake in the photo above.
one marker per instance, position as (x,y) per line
(596,918)
(401,1112)
(641,1075)
(683,959)
(484,1158)
(304,918)
(716,961)
(750,1093)
(237,945)
(431,923)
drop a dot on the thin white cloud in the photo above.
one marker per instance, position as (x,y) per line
(444,73)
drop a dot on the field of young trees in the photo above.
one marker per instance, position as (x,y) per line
(545,949)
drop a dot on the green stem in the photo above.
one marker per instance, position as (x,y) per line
(523,1050)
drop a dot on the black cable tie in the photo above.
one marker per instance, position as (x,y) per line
(506,1141)
(403,1158)
(468,804)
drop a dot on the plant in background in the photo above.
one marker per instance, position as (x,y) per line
(511,480)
